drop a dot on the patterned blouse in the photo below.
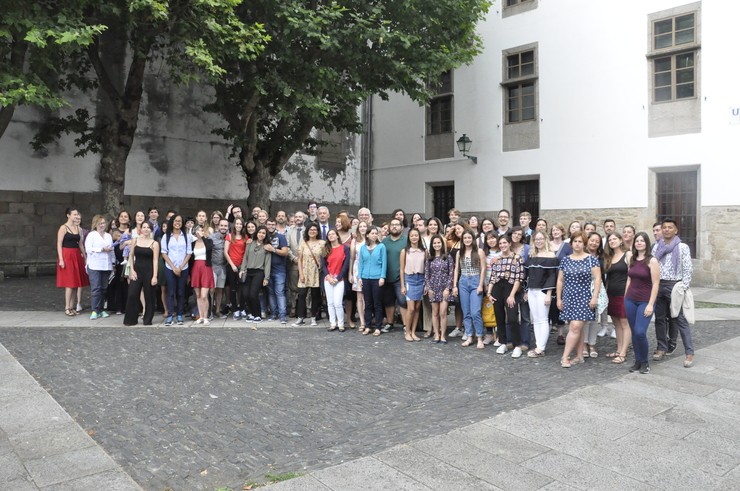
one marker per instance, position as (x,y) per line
(507,269)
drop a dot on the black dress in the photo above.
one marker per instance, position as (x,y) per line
(143,257)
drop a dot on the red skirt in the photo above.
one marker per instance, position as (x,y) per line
(202,276)
(73,275)
(616,307)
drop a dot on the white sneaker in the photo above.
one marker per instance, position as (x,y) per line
(613,334)
(78,308)
(455,334)
(464,337)
(503,349)
(602,332)
(487,339)
(516,353)
(298,323)
(313,322)
(497,344)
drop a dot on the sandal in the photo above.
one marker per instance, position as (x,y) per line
(467,343)
(535,354)
(366,331)
(619,359)
(408,338)
(377,332)
(612,355)
(70,312)
(565,363)
(592,352)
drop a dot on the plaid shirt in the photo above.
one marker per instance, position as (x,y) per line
(507,269)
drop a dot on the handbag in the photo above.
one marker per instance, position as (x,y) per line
(488,314)
(127,270)
(603,300)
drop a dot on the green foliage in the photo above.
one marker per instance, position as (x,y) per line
(324,58)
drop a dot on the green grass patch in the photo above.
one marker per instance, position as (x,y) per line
(282,476)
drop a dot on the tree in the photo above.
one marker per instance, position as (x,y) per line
(324,59)
(33,37)
(140,31)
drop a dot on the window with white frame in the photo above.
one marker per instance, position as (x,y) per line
(673,57)
(520,80)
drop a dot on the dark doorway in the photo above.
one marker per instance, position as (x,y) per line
(443,200)
(677,194)
(525,196)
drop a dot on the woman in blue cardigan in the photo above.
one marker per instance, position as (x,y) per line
(372,270)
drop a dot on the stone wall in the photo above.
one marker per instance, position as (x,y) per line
(719,257)
(29,220)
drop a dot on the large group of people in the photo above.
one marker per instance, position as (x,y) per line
(509,286)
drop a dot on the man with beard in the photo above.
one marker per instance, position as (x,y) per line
(295,237)
(278,246)
(394,244)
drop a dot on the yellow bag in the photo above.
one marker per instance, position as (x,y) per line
(489,317)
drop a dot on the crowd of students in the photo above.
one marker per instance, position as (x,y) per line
(509,286)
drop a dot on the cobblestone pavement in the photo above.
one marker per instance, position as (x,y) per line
(191,408)
(38,293)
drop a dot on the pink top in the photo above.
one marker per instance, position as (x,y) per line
(415,259)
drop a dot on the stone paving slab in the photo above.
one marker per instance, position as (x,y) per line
(637,432)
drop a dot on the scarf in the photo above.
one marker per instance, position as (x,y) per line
(664,249)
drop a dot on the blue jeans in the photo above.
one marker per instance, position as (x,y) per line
(278,300)
(176,286)
(98,288)
(639,325)
(471,302)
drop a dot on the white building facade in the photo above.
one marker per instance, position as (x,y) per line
(582,110)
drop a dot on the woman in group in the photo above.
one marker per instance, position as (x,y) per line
(628,235)
(415,218)
(486,225)
(144,268)
(176,251)
(161,276)
(491,251)
(216,218)
(235,245)
(454,242)
(589,227)
(541,272)
(439,273)
(335,266)
(541,226)
(643,281)
(372,271)
(71,274)
(357,242)
(383,231)
(575,299)
(561,249)
(615,268)
(433,227)
(473,226)
(470,272)
(309,269)
(591,329)
(342,226)
(250,227)
(507,274)
(413,258)
(255,273)
(123,222)
(201,218)
(201,274)
(100,262)
(519,247)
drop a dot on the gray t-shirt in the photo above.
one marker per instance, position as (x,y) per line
(217,257)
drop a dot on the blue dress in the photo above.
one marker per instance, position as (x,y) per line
(577,288)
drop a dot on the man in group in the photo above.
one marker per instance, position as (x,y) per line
(153,214)
(394,243)
(504,216)
(454,216)
(323,222)
(609,226)
(295,237)
(525,218)
(312,212)
(281,222)
(657,232)
(364,215)
(218,263)
(675,274)
(234,211)
(278,246)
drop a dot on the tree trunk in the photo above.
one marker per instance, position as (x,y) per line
(259,183)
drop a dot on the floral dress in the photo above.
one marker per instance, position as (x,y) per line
(438,275)
(310,266)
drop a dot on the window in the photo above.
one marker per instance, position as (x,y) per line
(677,199)
(513,7)
(673,51)
(439,114)
(443,199)
(525,196)
(440,125)
(519,81)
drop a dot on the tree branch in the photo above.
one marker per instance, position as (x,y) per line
(103,77)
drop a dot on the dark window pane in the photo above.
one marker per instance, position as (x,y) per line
(683,37)
(684,76)
(513,72)
(513,116)
(683,91)
(527,89)
(663,94)
(663,26)
(684,22)
(662,79)
(528,113)
(514,92)
(528,69)
(685,60)
(662,64)
(528,57)
(663,41)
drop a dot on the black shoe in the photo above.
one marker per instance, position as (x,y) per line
(635,367)
(387,328)
(671,348)
(645,368)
